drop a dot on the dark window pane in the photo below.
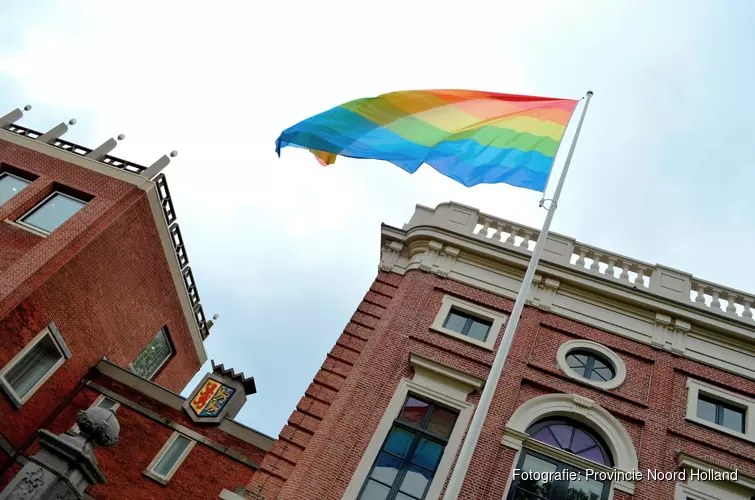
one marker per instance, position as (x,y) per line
(594,454)
(171,456)
(455,322)
(563,434)
(601,374)
(414,410)
(10,185)
(582,358)
(579,370)
(427,454)
(706,410)
(734,419)
(581,441)
(33,365)
(106,403)
(479,331)
(584,489)
(535,464)
(402,496)
(374,491)
(442,421)
(386,468)
(546,436)
(523,495)
(415,481)
(398,442)
(53,212)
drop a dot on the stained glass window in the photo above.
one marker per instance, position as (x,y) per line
(154,356)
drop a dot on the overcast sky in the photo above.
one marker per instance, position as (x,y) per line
(284,249)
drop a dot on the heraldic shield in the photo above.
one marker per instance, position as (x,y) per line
(218,395)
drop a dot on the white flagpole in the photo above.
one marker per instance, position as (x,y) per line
(467,449)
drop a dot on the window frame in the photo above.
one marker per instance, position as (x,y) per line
(592,357)
(723,396)
(433,381)
(615,362)
(469,320)
(150,472)
(63,350)
(75,427)
(419,432)
(496,318)
(41,204)
(4,173)
(164,331)
(561,465)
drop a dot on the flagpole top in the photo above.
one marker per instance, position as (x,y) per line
(590,93)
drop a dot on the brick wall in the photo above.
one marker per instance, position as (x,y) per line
(203,475)
(650,404)
(303,423)
(102,277)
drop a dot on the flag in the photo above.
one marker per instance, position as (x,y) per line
(470,136)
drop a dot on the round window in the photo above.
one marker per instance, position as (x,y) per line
(590,365)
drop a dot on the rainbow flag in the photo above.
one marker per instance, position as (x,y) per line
(470,136)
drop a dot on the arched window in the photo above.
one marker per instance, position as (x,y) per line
(542,477)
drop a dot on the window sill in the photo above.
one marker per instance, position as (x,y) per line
(450,333)
(721,428)
(26,228)
(155,477)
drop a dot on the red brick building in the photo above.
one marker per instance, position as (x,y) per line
(98,308)
(617,366)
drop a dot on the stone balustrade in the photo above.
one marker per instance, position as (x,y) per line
(654,278)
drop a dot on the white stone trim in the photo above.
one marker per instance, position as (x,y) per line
(619,368)
(17,400)
(717,340)
(175,270)
(229,495)
(483,313)
(149,472)
(445,391)
(581,409)
(695,387)
(742,489)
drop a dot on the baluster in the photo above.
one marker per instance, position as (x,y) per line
(581,260)
(640,279)
(700,294)
(611,269)
(526,241)
(508,240)
(595,262)
(731,297)
(747,312)
(624,274)
(512,237)
(485,226)
(715,303)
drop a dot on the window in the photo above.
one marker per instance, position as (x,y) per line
(591,363)
(170,457)
(572,437)
(10,185)
(468,322)
(31,367)
(409,457)
(52,212)
(730,416)
(468,325)
(720,409)
(154,356)
(102,401)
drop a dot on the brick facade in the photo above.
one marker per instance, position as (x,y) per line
(322,444)
(102,277)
